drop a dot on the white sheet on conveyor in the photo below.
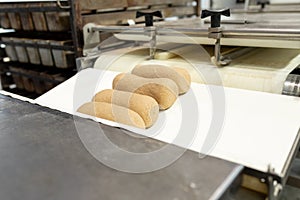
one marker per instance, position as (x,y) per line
(257,129)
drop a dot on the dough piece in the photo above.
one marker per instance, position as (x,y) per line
(144,105)
(164,55)
(180,76)
(163,90)
(112,112)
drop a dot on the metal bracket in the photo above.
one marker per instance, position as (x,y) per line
(91,38)
(218,59)
(215,32)
(61,6)
(152,32)
(273,185)
(150,29)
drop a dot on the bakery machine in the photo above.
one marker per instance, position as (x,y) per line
(275,33)
(256,48)
(244,69)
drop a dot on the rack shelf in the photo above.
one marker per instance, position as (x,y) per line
(41,50)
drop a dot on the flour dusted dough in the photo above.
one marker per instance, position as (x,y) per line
(180,76)
(163,90)
(144,105)
(113,113)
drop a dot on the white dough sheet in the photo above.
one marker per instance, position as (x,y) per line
(251,128)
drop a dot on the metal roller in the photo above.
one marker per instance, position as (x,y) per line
(291,86)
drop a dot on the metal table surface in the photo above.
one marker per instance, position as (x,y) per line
(42,157)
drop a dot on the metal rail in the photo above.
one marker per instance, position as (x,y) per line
(251,33)
(46,46)
(33,9)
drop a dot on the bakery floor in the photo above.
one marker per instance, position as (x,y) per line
(289,193)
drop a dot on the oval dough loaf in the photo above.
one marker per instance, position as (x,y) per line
(144,105)
(112,112)
(180,76)
(163,90)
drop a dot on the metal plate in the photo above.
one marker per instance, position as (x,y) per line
(42,157)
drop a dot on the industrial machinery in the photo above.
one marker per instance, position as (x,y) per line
(273,35)
(244,101)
